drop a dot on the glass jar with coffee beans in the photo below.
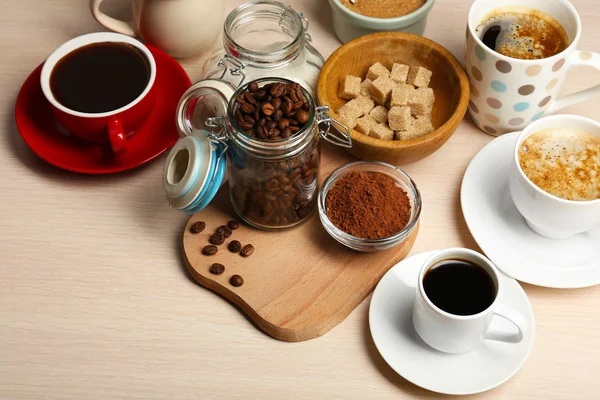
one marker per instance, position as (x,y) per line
(269,138)
(274,161)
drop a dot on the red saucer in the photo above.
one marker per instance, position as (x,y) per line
(40,131)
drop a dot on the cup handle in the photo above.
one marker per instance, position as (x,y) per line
(116,137)
(111,23)
(577,59)
(509,337)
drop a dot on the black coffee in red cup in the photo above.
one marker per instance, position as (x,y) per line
(101,87)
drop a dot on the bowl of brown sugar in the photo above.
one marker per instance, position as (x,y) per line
(369,206)
(354,18)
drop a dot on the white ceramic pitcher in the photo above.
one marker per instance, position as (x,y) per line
(182,28)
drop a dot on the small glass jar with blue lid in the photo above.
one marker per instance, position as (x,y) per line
(273,184)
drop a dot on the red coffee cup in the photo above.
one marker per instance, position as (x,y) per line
(113,127)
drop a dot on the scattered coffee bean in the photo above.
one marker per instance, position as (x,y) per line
(224,230)
(217,238)
(233,225)
(235,246)
(210,250)
(217,269)
(247,250)
(198,227)
(236,281)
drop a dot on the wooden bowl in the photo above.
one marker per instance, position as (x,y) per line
(449,83)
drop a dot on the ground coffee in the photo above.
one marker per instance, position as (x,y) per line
(368,205)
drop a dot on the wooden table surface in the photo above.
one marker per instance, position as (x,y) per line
(95,302)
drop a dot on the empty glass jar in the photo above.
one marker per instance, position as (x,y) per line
(265,38)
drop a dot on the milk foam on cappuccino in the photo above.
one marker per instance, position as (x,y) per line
(563,162)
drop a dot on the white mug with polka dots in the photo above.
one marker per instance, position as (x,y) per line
(507,93)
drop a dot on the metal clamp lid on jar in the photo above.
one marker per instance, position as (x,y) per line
(239,57)
(195,166)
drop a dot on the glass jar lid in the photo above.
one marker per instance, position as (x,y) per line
(202,102)
(195,166)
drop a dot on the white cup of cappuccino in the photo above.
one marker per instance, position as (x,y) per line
(563,157)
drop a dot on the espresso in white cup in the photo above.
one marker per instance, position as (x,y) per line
(453,310)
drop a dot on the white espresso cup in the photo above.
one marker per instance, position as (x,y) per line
(548,215)
(452,333)
(508,93)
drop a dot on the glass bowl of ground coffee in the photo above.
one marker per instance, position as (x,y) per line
(369,205)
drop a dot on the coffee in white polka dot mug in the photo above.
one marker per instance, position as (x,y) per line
(509,93)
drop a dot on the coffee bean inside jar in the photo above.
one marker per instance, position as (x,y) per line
(274,164)
(275,111)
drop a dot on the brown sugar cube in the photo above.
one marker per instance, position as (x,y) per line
(399,118)
(379,114)
(347,120)
(399,72)
(381,89)
(422,125)
(348,114)
(401,135)
(364,104)
(351,109)
(405,135)
(421,101)
(349,87)
(365,88)
(400,95)
(365,124)
(377,70)
(358,107)
(419,77)
(382,131)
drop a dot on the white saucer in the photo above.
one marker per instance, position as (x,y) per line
(505,237)
(487,366)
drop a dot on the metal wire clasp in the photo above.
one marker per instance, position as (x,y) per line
(218,138)
(236,70)
(305,25)
(341,136)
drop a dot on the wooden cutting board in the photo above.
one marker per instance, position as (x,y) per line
(298,283)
